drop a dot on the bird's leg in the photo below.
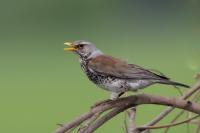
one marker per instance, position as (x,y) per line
(121,94)
(113,96)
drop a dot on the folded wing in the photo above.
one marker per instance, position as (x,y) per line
(110,66)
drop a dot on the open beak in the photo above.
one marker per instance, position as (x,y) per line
(70,48)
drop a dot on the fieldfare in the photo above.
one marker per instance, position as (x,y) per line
(113,74)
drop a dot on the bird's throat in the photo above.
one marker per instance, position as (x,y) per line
(94,54)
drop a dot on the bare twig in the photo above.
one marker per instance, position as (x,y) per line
(187,124)
(84,117)
(194,98)
(104,119)
(174,120)
(169,125)
(88,123)
(132,115)
(127,102)
(74,123)
(112,108)
(163,114)
(125,122)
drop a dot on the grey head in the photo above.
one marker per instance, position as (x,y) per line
(84,49)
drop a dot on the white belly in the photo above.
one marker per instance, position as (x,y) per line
(114,86)
(121,85)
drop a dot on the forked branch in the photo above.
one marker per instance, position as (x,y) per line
(123,104)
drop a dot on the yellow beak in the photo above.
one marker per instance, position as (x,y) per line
(71,48)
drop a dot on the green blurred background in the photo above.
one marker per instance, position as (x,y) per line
(41,85)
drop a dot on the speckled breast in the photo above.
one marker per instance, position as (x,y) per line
(94,77)
(106,82)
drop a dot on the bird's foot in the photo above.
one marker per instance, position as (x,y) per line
(114,96)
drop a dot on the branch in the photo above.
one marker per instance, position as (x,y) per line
(104,119)
(168,125)
(131,101)
(191,91)
(195,98)
(174,120)
(132,128)
(84,117)
(88,123)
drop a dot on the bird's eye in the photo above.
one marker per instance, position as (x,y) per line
(80,46)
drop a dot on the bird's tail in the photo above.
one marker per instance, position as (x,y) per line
(176,84)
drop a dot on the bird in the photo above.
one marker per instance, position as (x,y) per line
(113,74)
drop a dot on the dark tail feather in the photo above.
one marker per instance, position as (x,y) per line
(174,83)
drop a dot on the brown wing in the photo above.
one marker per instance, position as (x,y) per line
(108,65)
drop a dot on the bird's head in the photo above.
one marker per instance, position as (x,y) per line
(82,48)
